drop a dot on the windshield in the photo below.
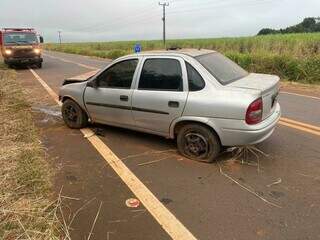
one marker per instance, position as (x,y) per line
(20,38)
(222,68)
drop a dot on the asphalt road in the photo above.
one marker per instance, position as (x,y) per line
(271,197)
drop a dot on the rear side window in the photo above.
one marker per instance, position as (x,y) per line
(161,75)
(119,75)
(221,67)
(195,81)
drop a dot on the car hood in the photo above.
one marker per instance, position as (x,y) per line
(80,78)
(254,81)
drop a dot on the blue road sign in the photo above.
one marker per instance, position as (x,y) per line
(137,48)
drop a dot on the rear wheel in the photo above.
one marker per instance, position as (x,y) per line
(198,142)
(73,115)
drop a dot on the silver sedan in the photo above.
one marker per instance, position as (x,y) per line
(199,97)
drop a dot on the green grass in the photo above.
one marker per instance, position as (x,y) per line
(27,209)
(294,57)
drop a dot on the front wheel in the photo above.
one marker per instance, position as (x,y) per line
(39,65)
(198,142)
(73,115)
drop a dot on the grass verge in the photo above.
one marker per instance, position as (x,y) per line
(27,210)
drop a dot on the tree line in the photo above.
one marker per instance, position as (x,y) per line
(310,24)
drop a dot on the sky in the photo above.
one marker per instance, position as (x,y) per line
(113,20)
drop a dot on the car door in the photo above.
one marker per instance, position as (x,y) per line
(160,94)
(108,98)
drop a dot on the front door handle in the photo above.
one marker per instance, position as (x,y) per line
(124,98)
(173,104)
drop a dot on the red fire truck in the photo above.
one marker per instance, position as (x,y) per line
(21,46)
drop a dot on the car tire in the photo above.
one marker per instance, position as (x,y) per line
(198,142)
(39,65)
(73,115)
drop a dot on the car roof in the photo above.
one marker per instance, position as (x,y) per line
(177,52)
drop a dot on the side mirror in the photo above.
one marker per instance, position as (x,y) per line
(41,39)
(92,84)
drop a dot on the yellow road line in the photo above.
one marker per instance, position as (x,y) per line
(305,125)
(69,61)
(164,217)
(46,86)
(308,130)
(300,95)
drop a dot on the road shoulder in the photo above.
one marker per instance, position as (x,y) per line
(84,179)
(312,90)
(28,209)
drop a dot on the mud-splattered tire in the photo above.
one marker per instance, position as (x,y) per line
(198,142)
(73,115)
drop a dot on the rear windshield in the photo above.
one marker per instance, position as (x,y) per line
(222,68)
(20,38)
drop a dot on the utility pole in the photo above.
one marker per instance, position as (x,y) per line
(59,32)
(164,5)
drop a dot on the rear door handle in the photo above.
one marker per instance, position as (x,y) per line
(173,104)
(124,98)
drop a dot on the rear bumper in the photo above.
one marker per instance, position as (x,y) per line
(252,134)
(23,60)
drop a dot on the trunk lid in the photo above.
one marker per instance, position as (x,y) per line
(268,85)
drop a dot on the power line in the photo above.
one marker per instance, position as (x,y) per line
(213,7)
(147,15)
(105,23)
(164,5)
(128,22)
(112,25)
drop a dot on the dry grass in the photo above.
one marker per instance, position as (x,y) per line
(244,154)
(247,155)
(26,211)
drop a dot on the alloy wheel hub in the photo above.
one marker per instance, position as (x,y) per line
(196,145)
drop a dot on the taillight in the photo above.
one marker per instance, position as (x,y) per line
(254,112)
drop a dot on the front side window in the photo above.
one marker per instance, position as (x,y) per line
(221,67)
(161,75)
(119,75)
(20,38)
(196,82)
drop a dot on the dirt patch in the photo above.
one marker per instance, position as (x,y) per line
(299,88)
